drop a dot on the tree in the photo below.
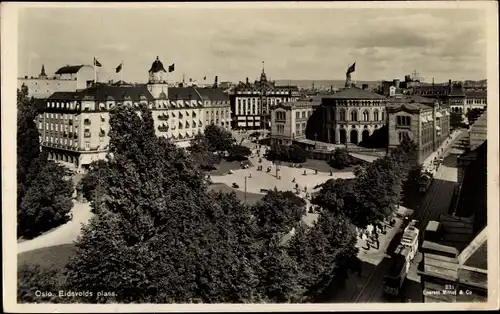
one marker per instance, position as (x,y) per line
(33,279)
(297,154)
(28,142)
(239,153)
(48,200)
(93,184)
(219,139)
(336,196)
(201,154)
(278,212)
(340,159)
(323,253)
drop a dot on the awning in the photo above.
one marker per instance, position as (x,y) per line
(438,127)
(430,119)
(439,115)
(424,120)
(446,113)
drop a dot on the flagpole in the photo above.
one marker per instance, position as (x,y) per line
(121,73)
(95,72)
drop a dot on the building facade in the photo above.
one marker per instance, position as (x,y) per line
(289,121)
(352,115)
(427,123)
(251,104)
(66,79)
(74,126)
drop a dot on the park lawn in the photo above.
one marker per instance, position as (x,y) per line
(252,198)
(53,257)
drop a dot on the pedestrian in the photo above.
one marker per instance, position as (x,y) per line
(305,172)
(377,243)
(249,174)
(293,181)
(316,171)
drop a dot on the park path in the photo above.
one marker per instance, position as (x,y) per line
(64,234)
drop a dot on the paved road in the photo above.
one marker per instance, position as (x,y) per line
(435,201)
(64,234)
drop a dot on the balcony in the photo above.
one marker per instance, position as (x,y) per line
(86,122)
(163,117)
(87,135)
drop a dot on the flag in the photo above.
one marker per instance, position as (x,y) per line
(97,63)
(171,68)
(352,68)
(119,68)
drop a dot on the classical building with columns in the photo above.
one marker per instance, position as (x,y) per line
(352,115)
(74,126)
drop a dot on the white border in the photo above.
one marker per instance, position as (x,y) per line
(9,25)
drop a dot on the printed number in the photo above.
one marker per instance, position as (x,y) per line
(449,287)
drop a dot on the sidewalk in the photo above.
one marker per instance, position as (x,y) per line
(441,150)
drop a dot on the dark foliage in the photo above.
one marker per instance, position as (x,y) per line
(293,153)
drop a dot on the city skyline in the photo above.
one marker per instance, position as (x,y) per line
(232,43)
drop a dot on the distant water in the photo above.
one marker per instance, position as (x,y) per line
(322,84)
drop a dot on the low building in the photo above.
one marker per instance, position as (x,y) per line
(289,121)
(66,79)
(352,115)
(425,121)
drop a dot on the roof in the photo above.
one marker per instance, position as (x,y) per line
(157,66)
(420,99)
(476,253)
(457,92)
(63,96)
(476,94)
(473,278)
(183,93)
(69,69)
(213,94)
(355,93)
(432,226)
(411,106)
(117,92)
(440,266)
(105,92)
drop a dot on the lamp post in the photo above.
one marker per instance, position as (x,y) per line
(315,139)
(245,189)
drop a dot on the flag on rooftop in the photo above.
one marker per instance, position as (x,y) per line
(97,63)
(171,68)
(119,68)
(352,68)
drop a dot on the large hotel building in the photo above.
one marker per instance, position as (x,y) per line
(74,125)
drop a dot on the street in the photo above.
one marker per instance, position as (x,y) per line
(435,201)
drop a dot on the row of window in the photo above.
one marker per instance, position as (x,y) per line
(476,101)
(304,114)
(403,121)
(365,115)
(402,135)
(356,103)
(280,115)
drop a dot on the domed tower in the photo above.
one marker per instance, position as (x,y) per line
(157,84)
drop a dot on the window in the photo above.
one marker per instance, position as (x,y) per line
(280,128)
(403,135)
(375,115)
(297,115)
(342,115)
(280,115)
(366,116)
(297,128)
(303,114)
(403,121)
(87,145)
(383,116)
(354,115)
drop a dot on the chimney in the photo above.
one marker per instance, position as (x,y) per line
(247,80)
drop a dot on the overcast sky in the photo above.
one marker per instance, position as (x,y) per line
(232,43)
